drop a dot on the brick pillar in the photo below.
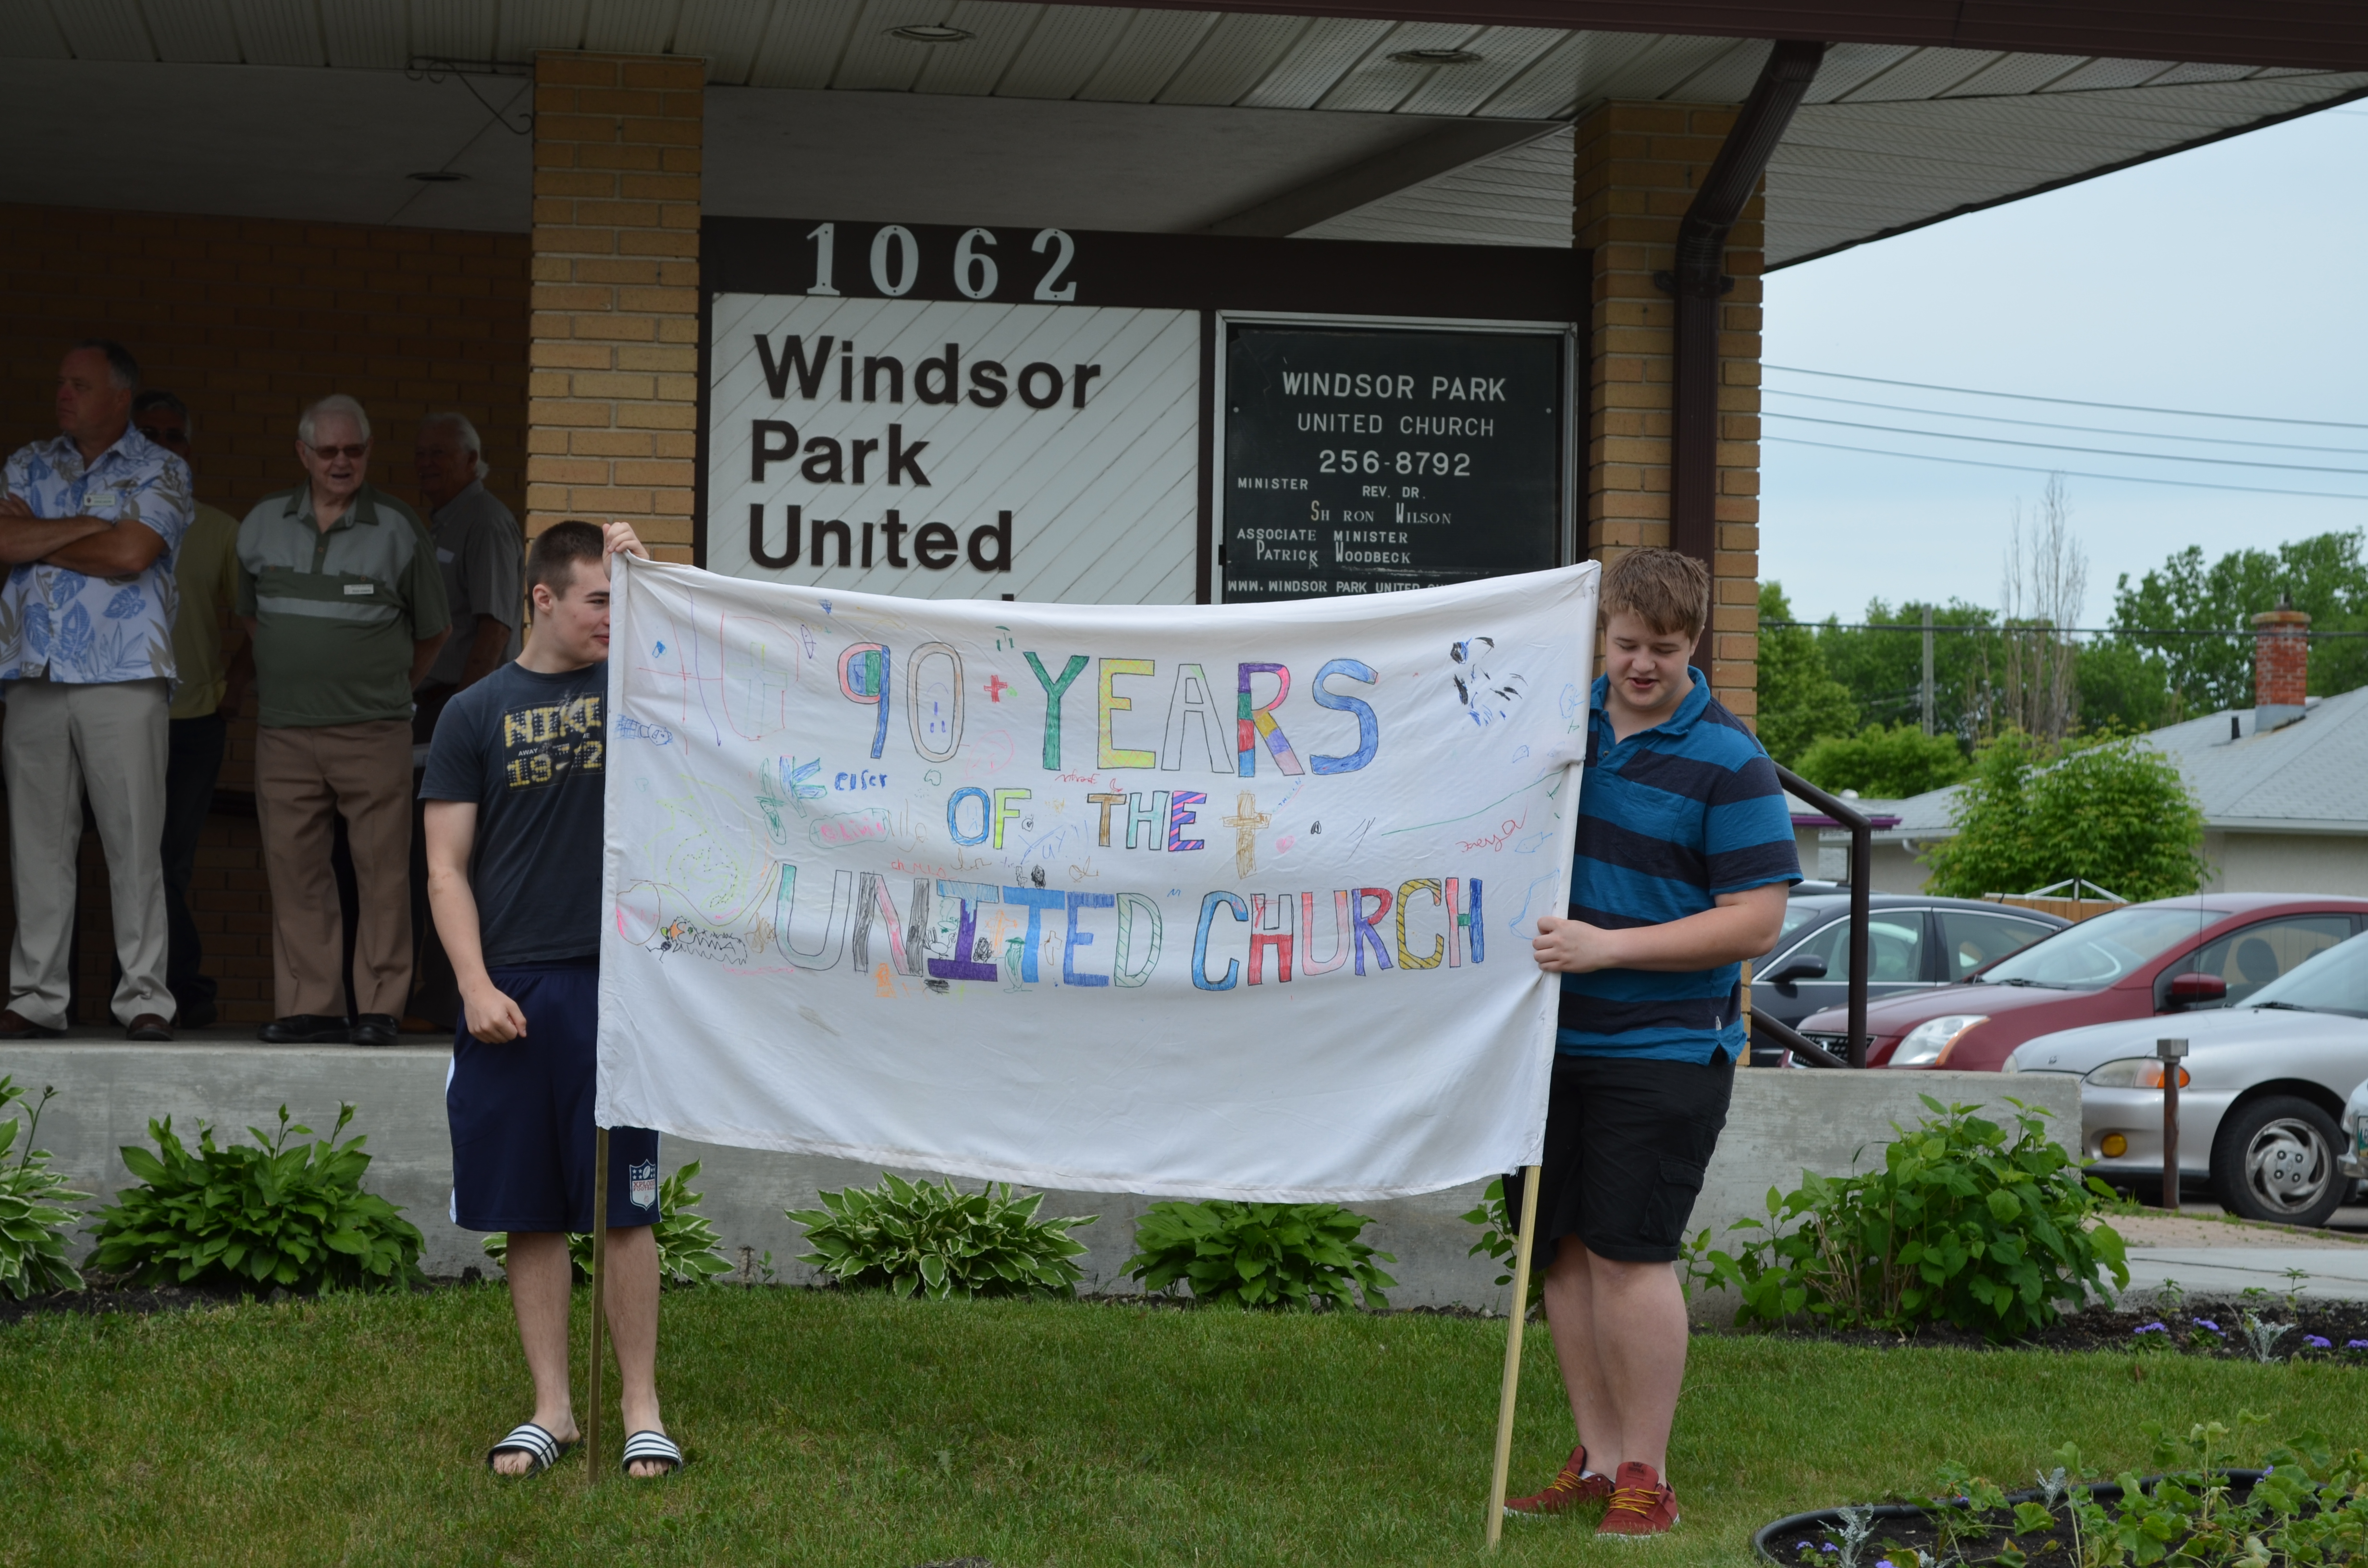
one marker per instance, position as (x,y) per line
(2281,666)
(1638,167)
(613,399)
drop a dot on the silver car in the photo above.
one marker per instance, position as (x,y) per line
(2261,1103)
(2355,1133)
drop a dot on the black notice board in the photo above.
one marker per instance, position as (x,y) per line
(1368,460)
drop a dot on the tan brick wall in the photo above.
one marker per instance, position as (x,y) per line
(1638,167)
(613,406)
(247,319)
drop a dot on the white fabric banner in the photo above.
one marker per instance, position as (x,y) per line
(1211,901)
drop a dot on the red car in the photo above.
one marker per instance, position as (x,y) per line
(2174,955)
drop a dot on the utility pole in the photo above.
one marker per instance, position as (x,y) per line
(1927,669)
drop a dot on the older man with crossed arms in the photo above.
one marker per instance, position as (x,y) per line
(88,529)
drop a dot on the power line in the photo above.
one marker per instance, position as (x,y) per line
(2055,425)
(2068,473)
(2067,402)
(1961,626)
(2058,446)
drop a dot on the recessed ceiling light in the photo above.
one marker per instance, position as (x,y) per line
(1436,57)
(437,176)
(930,32)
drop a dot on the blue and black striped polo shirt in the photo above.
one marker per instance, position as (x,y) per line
(1668,819)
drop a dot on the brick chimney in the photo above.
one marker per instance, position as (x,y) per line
(2281,665)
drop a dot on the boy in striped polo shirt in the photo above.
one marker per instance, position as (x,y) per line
(1685,859)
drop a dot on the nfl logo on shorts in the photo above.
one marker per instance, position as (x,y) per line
(642,1187)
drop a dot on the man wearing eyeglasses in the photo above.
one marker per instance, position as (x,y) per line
(88,526)
(339,588)
(211,692)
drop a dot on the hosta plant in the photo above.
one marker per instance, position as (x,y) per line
(34,1220)
(932,1239)
(1258,1254)
(688,1253)
(255,1214)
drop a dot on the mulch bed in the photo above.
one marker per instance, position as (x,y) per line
(104,1297)
(2115,1330)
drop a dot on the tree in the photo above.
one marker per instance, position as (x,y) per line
(1884,670)
(2322,574)
(1798,701)
(2046,581)
(2125,686)
(1888,763)
(2113,810)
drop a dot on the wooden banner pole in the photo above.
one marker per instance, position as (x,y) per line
(599,1301)
(1513,1355)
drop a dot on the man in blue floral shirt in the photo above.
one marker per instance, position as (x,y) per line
(89,525)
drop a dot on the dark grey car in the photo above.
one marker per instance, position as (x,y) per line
(1913,942)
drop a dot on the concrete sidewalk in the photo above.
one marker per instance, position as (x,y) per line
(2208,1256)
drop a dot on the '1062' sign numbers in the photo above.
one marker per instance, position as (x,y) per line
(895,261)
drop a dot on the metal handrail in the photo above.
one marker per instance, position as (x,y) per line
(1862,832)
(1793,1040)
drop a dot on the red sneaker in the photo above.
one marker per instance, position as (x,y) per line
(1642,1504)
(1572,1488)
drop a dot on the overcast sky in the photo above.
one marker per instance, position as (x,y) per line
(2221,280)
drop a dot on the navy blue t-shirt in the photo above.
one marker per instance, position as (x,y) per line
(1668,820)
(531,751)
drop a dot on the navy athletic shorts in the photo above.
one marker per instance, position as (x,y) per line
(1627,1143)
(521,1116)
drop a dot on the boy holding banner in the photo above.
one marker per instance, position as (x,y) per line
(1685,856)
(514,817)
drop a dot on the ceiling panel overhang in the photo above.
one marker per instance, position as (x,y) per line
(1244,118)
(2324,34)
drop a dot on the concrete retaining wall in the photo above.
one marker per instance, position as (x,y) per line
(1782,1122)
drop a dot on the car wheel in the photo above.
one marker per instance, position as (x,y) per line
(2276,1161)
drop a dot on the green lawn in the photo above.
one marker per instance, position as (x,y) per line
(878,1434)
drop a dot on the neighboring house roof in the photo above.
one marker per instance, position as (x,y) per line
(2310,775)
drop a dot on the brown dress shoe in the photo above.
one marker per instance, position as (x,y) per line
(14,1025)
(149,1026)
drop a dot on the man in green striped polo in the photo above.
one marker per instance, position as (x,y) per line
(340,591)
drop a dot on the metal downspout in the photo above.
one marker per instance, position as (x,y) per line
(1698,283)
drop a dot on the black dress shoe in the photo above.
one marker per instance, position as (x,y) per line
(374,1029)
(16,1025)
(304,1029)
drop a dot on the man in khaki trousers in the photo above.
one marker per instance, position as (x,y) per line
(341,593)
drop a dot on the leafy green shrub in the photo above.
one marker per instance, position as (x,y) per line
(264,1214)
(2112,809)
(1258,1254)
(931,1239)
(1885,764)
(1500,1238)
(1961,1225)
(33,1224)
(688,1253)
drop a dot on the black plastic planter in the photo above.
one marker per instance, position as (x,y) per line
(1795,1526)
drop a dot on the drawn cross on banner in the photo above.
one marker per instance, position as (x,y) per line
(1245,822)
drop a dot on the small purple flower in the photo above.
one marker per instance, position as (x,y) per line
(1884,1563)
(2355,1345)
(2207,1323)
(2150,1328)
(2319,1341)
